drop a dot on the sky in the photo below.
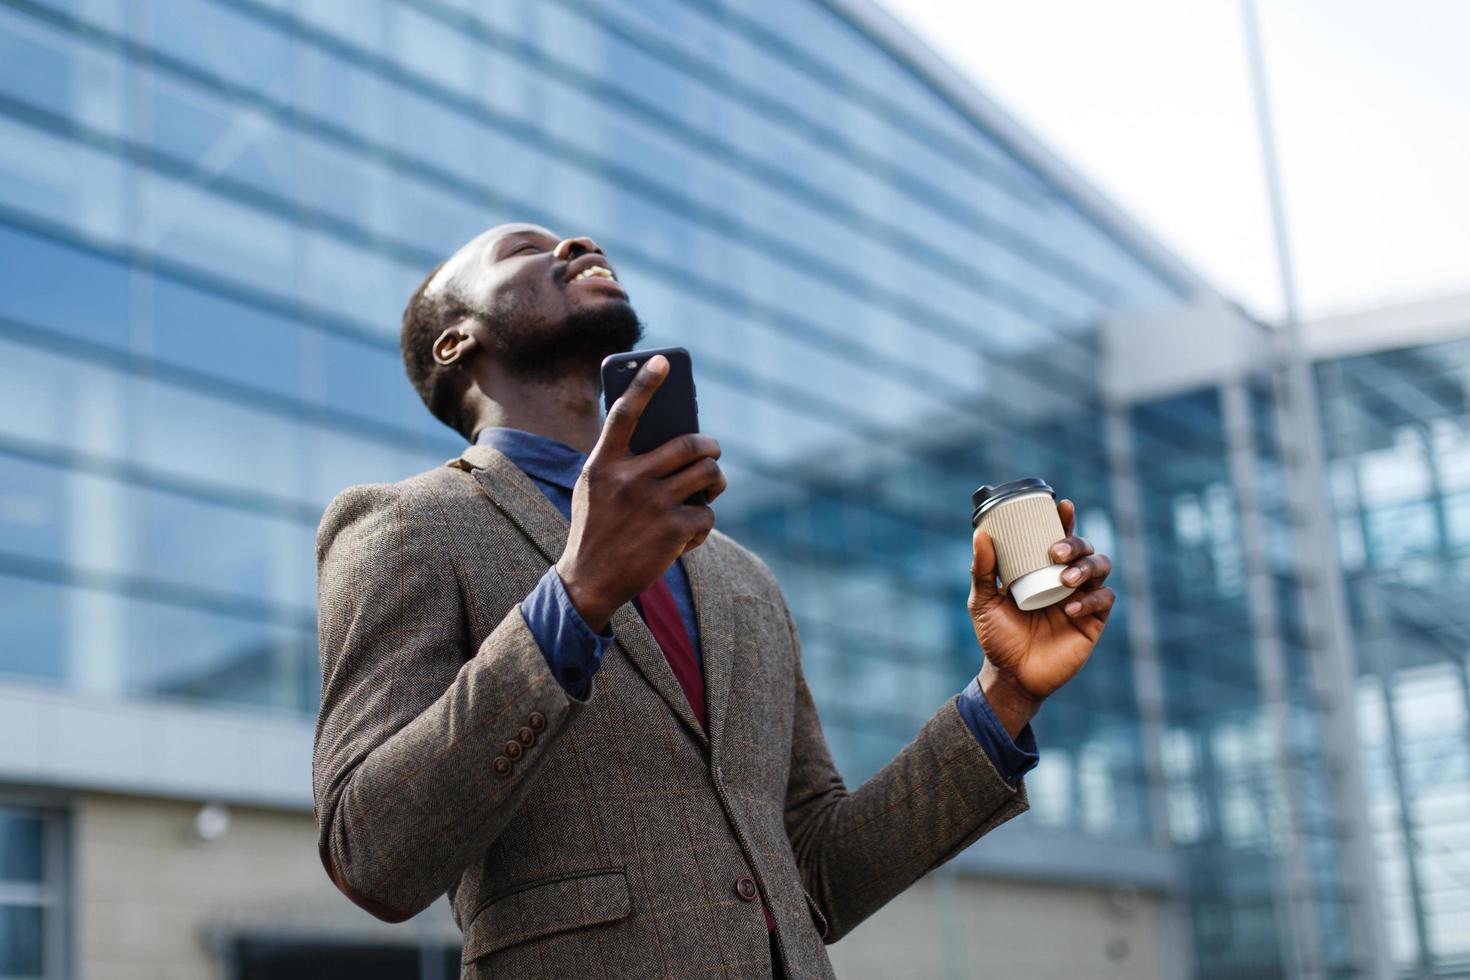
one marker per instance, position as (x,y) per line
(1150,100)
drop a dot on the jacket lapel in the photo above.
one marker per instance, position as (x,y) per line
(512,491)
(716,635)
(523,503)
(640,647)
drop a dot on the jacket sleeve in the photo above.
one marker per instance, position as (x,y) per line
(858,850)
(412,773)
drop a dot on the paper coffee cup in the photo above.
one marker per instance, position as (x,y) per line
(1021,519)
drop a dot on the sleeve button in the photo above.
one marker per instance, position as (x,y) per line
(513,750)
(501,765)
(537,721)
(526,737)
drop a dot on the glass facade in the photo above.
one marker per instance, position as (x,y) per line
(1397,429)
(213,211)
(1242,769)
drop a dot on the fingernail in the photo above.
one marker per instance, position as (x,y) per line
(1073,608)
(1063,550)
(1072,576)
(657,363)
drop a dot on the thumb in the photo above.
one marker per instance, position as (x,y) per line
(982,568)
(623,416)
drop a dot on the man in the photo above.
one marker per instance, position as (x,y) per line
(550,688)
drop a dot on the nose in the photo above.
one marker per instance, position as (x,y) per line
(570,248)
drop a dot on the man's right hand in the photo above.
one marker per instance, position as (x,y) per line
(629,519)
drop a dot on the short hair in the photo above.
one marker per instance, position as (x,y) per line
(426,316)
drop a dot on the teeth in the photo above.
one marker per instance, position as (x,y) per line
(595,270)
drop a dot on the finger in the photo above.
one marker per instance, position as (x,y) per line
(1096,603)
(701,522)
(702,474)
(1067,511)
(1089,570)
(678,453)
(624,414)
(713,492)
(982,568)
(1070,548)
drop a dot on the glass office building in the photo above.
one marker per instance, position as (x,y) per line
(1397,432)
(213,211)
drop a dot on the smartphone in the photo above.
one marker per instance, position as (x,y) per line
(672,411)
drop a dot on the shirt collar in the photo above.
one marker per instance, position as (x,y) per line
(540,457)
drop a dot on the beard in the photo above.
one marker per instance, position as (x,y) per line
(535,352)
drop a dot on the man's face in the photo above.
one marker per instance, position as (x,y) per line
(542,305)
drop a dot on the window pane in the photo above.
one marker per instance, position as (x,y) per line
(31,498)
(21,931)
(31,618)
(226,43)
(51,71)
(307,958)
(56,287)
(184,653)
(198,437)
(368,381)
(20,846)
(208,332)
(256,556)
(60,180)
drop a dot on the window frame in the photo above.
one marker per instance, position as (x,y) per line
(54,893)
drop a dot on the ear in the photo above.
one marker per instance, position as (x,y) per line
(453,346)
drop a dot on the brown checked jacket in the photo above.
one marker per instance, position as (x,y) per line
(611,837)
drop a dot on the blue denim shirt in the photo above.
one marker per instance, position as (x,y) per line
(574,650)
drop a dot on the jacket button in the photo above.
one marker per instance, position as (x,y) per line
(513,750)
(501,765)
(526,737)
(537,721)
(745,888)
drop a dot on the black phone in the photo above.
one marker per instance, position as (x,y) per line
(672,411)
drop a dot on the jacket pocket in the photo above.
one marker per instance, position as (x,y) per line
(542,908)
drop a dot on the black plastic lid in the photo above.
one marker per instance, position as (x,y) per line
(987,496)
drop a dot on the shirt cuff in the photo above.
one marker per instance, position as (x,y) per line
(572,650)
(1011,758)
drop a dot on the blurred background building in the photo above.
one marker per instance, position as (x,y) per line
(211,214)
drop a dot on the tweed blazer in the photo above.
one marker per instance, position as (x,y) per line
(606,837)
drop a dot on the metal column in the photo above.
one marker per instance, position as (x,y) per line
(1303,946)
(1330,650)
(1148,673)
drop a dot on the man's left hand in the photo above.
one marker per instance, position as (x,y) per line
(1028,655)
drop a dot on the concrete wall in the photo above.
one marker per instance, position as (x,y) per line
(1008,929)
(149,895)
(150,898)
(1176,349)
